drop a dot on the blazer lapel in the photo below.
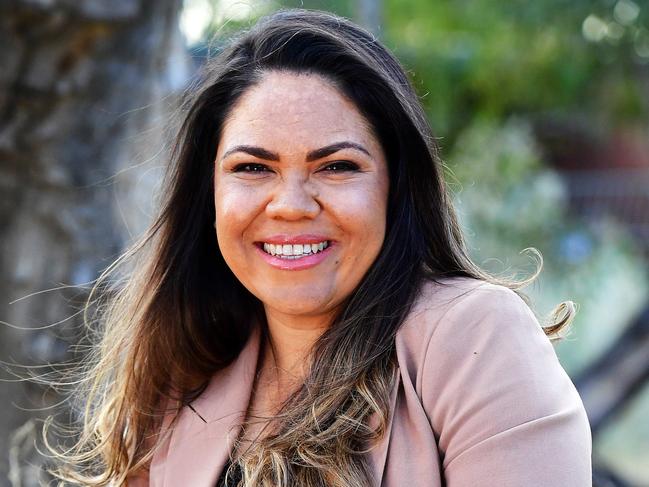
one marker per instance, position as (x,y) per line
(204,434)
(206,430)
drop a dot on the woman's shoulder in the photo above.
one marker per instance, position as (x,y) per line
(489,380)
(459,322)
(448,299)
(466,338)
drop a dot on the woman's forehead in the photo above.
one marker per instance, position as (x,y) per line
(297,107)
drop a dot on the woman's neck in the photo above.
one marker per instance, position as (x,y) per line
(283,365)
(290,339)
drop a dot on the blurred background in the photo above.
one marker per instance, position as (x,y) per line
(541,109)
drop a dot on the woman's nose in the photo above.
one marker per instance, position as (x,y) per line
(292,200)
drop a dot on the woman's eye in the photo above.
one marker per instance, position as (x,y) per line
(340,166)
(250,167)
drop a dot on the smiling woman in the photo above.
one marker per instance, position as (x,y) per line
(317,176)
(305,312)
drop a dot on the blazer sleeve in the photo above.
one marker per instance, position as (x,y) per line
(503,408)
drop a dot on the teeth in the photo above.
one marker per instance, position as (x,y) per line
(295,251)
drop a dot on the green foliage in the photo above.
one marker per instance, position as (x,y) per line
(484,58)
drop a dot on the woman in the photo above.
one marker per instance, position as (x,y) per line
(304,311)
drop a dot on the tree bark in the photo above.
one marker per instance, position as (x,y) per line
(81,127)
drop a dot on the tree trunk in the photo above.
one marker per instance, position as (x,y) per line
(81,125)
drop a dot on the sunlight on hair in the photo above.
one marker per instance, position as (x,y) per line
(239,10)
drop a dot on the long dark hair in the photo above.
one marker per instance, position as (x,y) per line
(183,315)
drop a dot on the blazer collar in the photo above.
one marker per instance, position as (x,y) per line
(230,389)
(206,431)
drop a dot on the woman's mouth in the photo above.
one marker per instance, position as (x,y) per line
(283,253)
(294,251)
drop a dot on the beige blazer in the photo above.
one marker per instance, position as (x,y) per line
(481,400)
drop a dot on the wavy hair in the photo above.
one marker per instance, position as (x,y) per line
(181,315)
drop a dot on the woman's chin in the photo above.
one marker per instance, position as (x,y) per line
(306,306)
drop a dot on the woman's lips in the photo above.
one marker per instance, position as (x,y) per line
(295,262)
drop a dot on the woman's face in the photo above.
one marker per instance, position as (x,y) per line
(300,192)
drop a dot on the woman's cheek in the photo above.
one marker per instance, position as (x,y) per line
(362,209)
(229,225)
(234,202)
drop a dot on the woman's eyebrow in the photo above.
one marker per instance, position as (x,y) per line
(311,156)
(330,149)
(253,151)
